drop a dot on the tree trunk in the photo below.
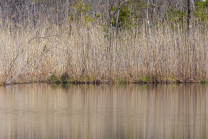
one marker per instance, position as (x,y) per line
(153,13)
(67,9)
(148,23)
(34,15)
(189,16)
(193,3)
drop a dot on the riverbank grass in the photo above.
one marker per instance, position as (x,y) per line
(88,53)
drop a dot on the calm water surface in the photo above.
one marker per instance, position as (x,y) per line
(42,111)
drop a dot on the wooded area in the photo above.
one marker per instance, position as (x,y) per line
(118,13)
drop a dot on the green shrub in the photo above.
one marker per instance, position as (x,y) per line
(54,79)
(121,80)
(201,11)
(145,78)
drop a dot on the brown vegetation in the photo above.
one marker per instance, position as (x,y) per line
(84,51)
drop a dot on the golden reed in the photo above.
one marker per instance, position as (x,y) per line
(86,52)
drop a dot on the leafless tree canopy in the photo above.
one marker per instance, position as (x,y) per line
(26,12)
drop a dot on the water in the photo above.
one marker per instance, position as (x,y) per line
(42,111)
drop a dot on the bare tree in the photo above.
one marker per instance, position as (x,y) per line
(148,22)
(189,15)
(120,3)
(153,12)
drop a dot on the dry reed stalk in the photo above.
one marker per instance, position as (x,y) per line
(81,51)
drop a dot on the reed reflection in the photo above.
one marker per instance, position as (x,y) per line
(118,111)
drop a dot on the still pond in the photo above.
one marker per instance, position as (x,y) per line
(43,111)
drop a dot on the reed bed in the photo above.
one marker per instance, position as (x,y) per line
(88,52)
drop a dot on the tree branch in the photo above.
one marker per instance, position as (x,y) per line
(44,51)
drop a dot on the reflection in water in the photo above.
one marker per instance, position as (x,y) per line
(42,111)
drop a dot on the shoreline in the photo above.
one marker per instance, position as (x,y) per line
(107,82)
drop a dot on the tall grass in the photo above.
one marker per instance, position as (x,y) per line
(87,51)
